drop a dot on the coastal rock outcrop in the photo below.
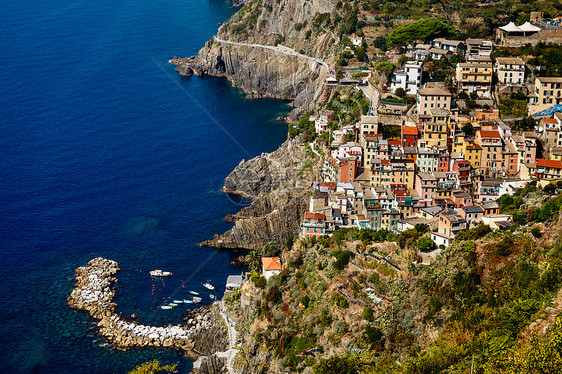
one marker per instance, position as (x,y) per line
(278,184)
(283,169)
(264,50)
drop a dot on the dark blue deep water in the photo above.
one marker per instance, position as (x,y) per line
(102,154)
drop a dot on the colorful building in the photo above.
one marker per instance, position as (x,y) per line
(314,224)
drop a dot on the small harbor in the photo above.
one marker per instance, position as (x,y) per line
(94,293)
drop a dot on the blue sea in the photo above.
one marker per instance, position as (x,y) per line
(105,151)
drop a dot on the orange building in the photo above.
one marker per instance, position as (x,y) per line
(348,170)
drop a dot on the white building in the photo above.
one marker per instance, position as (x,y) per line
(349,149)
(409,78)
(510,70)
(357,40)
(455,46)
(321,124)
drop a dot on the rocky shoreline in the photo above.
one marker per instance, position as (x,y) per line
(202,334)
(278,185)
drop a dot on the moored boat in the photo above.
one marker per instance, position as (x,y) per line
(188,301)
(160,273)
(173,305)
(212,296)
(178,301)
(209,286)
(166,307)
(197,300)
(194,293)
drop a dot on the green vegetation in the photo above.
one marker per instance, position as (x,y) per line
(153,367)
(420,30)
(425,244)
(474,233)
(477,298)
(547,56)
(513,107)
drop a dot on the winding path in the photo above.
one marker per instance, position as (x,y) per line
(283,50)
(230,353)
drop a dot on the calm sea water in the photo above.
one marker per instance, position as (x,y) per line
(102,154)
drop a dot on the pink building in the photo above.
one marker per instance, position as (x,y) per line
(314,224)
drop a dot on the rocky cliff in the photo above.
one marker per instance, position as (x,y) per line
(278,184)
(269,49)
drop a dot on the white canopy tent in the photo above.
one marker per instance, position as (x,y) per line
(523,30)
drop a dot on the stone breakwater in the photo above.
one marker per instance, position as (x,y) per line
(94,294)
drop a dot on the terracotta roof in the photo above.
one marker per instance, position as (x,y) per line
(409,130)
(510,60)
(314,215)
(490,134)
(434,91)
(392,142)
(550,79)
(271,263)
(550,120)
(330,185)
(557,164)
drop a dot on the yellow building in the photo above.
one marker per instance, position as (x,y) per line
(548,90)
(429,98)
(435,132)
(385,173)
(475,77)
(472,153)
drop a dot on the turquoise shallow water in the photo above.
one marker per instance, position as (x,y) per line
(103,155)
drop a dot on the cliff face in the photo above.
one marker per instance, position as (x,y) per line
(278,184)
(258,50)
(283,169)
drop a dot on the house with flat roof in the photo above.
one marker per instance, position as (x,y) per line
(475,77)
(472,214)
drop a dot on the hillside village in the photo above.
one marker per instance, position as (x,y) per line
(454,147)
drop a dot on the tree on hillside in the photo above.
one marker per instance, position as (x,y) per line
(425,244)
(421,30)
(270,249)
(153,367)
(380,43)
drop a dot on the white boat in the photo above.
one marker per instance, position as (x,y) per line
(166,307)
(178,301)
(212,296)
(173,305)
(188,301)
(209,286)
(197,300)
(160,273)
(194,293)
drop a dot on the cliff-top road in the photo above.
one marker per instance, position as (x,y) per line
(283,50)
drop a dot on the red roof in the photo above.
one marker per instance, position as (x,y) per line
(490,134)
(550,120)
(557,164)
(314,215)
(409,130)
(393,142)
(385,162)
(271,263)
(330,185)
